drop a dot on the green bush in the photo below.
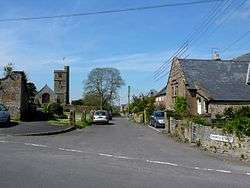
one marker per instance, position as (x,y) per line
(180,107)
(228,113)
(200,120)
(240,126)
(55,109)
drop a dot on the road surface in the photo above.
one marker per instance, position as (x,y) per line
(121,154)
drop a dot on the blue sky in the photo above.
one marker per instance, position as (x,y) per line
(137,43)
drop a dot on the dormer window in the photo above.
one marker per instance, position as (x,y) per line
(248,75)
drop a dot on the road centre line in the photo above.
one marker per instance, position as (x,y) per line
(130,158)
(70,150)
(36,145)
(160,162)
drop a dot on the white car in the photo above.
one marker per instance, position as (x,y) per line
(101,116)
(4,115)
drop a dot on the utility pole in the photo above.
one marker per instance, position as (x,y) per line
(129,89)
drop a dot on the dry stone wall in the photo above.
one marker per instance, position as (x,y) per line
(13,94)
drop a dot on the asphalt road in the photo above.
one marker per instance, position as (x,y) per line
(117,155)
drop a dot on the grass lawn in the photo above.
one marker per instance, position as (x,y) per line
(63,122)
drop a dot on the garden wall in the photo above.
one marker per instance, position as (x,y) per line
(211,139)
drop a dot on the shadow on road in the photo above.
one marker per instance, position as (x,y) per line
(12,124)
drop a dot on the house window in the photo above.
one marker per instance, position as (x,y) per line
(175,90)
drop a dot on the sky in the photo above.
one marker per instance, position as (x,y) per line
(137,43)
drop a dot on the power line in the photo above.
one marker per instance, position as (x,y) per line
(236,41)
(189,39)
(229,15)
(108,11)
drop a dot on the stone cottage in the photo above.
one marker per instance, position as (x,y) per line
(209,86)
(13,94)
(160,98)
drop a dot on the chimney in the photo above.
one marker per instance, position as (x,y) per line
(216,56)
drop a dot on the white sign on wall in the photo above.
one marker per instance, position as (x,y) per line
(221,138)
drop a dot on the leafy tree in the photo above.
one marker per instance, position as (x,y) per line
(103,85)
(180,106)
(77,102)
(8,69)
(32,91)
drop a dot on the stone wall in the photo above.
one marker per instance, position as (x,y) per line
(211,139)
(13,94)
(177,78)
(61,85)
(219,107)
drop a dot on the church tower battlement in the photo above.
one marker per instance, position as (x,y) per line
(61,85)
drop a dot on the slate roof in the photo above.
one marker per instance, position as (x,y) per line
(46,89)
(162,92)
(245,57)
(221,80)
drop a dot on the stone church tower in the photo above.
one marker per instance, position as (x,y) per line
(61,85)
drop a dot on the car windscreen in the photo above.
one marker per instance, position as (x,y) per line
(100,113)
(2,108)
(159,114)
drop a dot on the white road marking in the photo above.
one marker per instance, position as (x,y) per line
(3,141)
(160,162)
(124,157)
(130,158)
(224,171)
(154,129)
(36,145)
(106,155)
(70,150)
(210,169)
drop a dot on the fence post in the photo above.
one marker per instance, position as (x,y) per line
(72,118)
(83,116)
(167,121)
(145,116)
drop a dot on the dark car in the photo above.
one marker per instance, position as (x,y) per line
(4,115)
(157,119)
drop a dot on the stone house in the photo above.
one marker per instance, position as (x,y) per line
(160,98)
(13,94)
(209,86)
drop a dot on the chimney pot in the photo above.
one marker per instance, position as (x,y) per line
(216,56)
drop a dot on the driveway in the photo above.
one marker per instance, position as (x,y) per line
(120,154)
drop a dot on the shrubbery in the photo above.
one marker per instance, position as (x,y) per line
(237,121)
(200,120)
(55,109)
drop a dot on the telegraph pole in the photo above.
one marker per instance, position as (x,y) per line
(129,90)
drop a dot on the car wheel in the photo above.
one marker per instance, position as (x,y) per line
(8,121)
(154,124)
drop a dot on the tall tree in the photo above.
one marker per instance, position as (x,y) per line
(31,89)
(104,84)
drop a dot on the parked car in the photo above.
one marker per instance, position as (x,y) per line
(101,116)
(157,119)
(4,115)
